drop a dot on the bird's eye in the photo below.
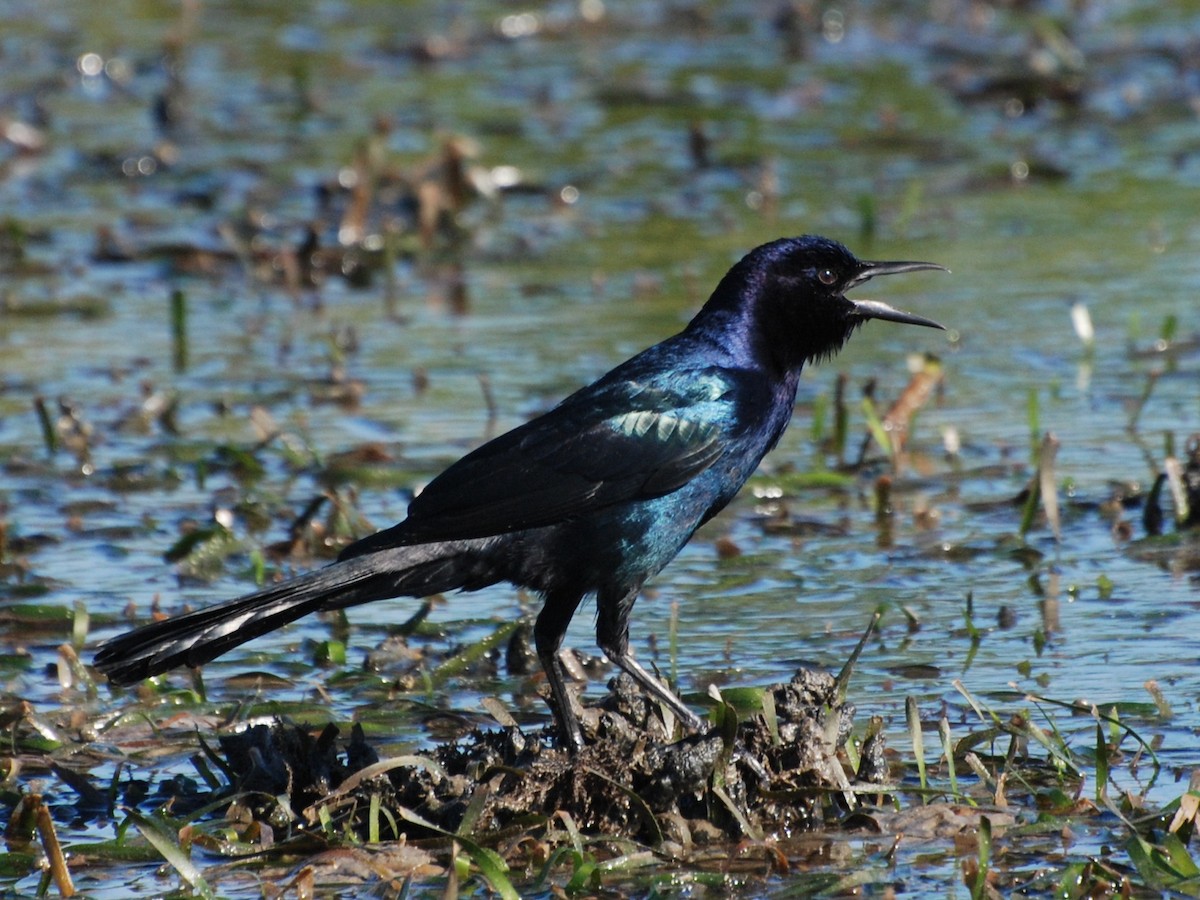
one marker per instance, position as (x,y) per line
(826,276)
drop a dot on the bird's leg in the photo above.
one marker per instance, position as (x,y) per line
(548,632)
(612,636)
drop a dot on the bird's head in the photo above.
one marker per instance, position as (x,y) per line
(794,290)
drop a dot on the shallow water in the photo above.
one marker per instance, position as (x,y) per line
(876,135)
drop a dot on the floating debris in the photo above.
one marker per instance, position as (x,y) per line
(775,771)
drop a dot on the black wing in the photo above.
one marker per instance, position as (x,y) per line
(614,441)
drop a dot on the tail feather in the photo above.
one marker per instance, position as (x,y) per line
(200,636)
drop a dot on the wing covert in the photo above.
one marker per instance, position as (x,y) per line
(615,441)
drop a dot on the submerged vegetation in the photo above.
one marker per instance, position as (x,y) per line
(785,788)
(266,271)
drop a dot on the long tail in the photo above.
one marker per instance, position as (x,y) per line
(198,637)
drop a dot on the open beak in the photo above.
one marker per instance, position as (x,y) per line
(875,309)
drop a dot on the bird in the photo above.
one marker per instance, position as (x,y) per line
(594,496)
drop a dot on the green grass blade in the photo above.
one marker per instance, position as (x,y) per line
(166,843)
(490,863)
(913,715)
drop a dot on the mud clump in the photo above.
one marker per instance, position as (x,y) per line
(770,772)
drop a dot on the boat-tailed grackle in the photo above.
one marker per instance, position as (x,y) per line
(596,495)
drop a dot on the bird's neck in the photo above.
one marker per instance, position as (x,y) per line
(763,338)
